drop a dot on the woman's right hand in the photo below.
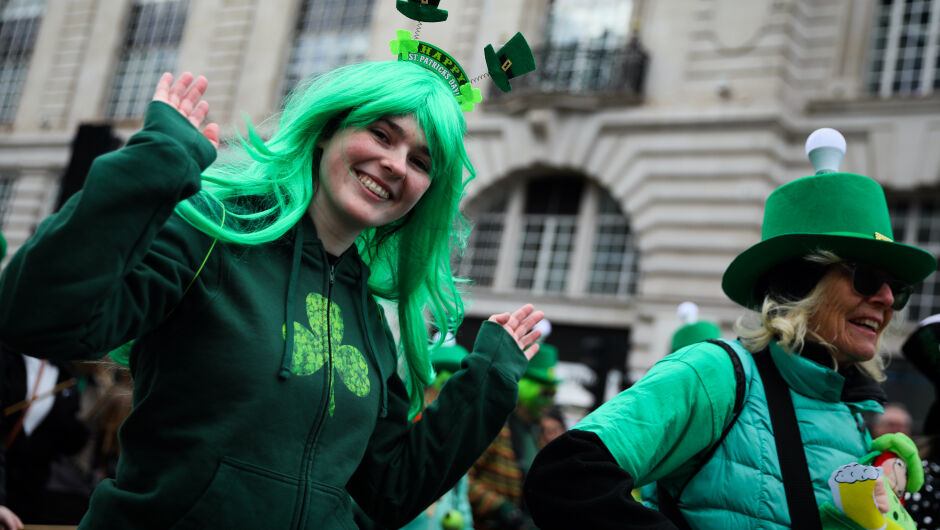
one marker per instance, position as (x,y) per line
(9,520)
(185,95)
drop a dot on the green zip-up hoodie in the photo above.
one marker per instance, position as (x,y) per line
(230,429)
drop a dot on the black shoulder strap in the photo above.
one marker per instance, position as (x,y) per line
(796,482)
(668,504)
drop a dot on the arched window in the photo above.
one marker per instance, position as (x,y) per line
(557,234)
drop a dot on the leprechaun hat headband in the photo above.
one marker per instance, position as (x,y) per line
(842,213)
(511,60)
(423,10)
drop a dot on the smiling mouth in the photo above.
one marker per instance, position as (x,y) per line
(373,186)
(867,323)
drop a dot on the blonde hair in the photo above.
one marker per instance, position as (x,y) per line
(788,321)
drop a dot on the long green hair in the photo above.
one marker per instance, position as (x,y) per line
(265,187)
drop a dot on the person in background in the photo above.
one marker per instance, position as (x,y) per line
(8,518)
(551,425)
(692,329)
(922,349)
(496,478)
(895,418)
(246,293)
(452,511)
(40,427)
(712,423)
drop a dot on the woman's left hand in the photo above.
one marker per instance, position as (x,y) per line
(519,324)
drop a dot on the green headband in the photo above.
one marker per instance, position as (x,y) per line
(511,60)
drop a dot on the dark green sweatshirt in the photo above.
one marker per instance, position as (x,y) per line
(229,428)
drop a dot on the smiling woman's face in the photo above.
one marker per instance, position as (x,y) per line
(371,176)
(851,322)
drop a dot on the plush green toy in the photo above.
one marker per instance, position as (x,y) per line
(866,495)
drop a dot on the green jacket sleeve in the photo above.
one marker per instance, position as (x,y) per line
(657,426)
(407,466)
(92,276)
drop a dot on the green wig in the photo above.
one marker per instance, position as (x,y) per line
(265,187)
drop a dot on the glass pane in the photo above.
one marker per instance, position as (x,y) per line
(614,263)
(328,35)
(483,248)
(19,23)
(151,44)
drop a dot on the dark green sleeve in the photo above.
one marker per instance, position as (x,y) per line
(95,275)
(407,466)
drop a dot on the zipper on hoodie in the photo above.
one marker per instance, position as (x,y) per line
(315,433)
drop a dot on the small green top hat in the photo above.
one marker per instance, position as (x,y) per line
(692,330)
(423,10)
(922,348)
(542,367)
(843,213)
(448,357)
(512,60)
(695,332)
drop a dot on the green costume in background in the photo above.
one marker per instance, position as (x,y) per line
(219,436)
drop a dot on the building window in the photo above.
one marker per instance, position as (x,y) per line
(551,235)
(614,264)
(19,24)
(150,48)
(916,221)
(6,194)
(588,49)
(328,35)
(905,50)
(549,221)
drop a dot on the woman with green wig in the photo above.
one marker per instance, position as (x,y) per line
(246,292)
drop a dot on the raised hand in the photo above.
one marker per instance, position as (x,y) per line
(185,95)
(519,324)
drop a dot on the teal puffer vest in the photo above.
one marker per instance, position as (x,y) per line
(741,485)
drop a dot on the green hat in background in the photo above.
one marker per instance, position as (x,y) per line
(448,357)
(512,60)
(3,247)
(693,330)
(422,10)
(843,213)
(922,348)
(542,367)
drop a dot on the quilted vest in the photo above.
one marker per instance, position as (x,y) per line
(741,485)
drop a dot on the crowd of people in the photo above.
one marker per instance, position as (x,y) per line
(245,293)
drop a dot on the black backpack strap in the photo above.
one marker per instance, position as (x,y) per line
(668,504)
(796,481)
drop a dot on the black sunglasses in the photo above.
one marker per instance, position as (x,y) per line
(867,281)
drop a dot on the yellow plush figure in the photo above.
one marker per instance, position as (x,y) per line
(867,495)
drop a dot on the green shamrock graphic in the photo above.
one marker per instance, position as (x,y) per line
(311,348)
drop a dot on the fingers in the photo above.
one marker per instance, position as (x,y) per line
(211,133)
(531,351)
(162,92)
(185,95)
(191,98)
(520,325)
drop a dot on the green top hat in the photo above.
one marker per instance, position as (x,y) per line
(695,332)
(922,348)
(512,60)
(542,367)
(423,10)
(843,213)
(448,357)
